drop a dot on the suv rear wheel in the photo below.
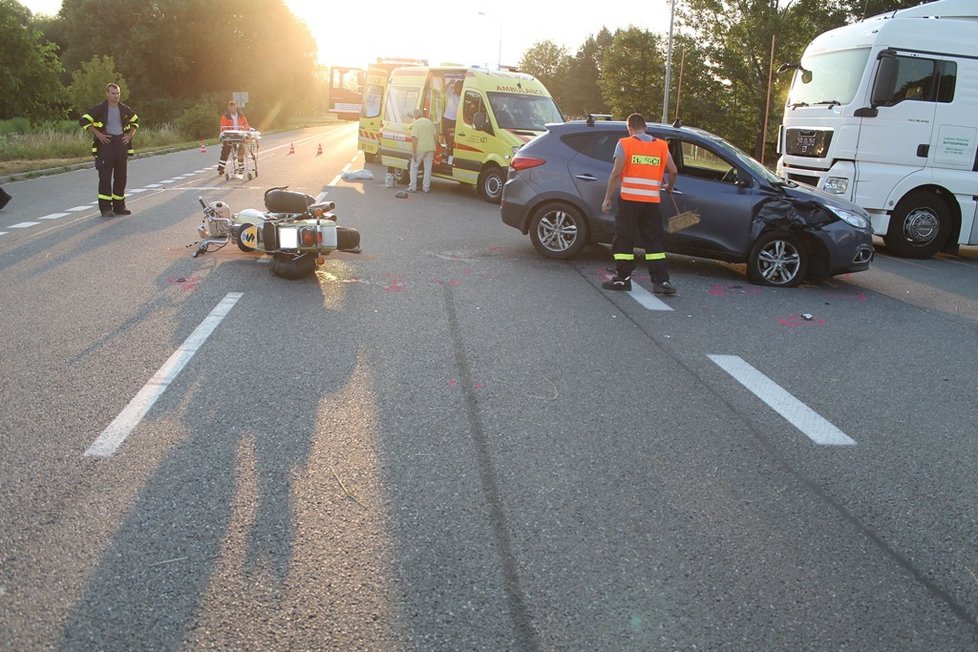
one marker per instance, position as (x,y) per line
(558,230)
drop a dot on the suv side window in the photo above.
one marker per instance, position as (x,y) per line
(598,145)
(700,162)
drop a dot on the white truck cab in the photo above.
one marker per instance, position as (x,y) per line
(884,113)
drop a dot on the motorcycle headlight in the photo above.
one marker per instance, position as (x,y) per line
(850,217)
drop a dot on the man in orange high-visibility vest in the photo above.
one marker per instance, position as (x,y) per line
(641,165)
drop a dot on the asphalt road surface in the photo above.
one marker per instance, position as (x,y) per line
(448,442)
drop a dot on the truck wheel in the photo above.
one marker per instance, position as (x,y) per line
(779,259)
(491,184)
(292,267)
(558,231)
(919,226)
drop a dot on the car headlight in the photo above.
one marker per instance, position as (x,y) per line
(850,217)
(836,185)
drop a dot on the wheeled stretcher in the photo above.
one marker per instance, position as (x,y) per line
(242,158)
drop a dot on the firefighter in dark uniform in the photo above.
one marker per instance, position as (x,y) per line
(112,126)
(642,164)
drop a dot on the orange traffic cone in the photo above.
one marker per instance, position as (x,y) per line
(203,147)
(291,149)
(319,150)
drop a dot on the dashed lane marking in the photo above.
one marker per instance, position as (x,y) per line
(121,427)
(648,300)
(809,422)
(53,216)
(79,209)
(23,225)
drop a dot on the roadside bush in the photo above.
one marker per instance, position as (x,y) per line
(199,123)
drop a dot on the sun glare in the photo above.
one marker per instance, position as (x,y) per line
(354,36)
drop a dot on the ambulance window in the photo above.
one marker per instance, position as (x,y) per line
(371,101)
(471,105)
(400,103)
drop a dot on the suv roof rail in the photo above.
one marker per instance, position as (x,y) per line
(591,117)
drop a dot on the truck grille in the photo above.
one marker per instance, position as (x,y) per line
(811,143)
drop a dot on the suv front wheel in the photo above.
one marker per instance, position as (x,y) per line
(558,230)
(779,259)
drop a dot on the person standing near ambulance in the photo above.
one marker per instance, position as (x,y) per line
(423,135)
(641,165)
(112,125)
(232,120)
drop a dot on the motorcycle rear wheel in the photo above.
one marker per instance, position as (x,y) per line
(292,267)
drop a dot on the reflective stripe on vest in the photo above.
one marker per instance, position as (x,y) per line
(645,165)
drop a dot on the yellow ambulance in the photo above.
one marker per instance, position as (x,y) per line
(368,139)
(482,117)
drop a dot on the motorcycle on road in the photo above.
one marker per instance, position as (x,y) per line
(294,229)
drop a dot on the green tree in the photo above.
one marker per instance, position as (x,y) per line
(549,63)
(29,83)
(582,90)
(185,49)
(632,70)
(88,83)
(736,38)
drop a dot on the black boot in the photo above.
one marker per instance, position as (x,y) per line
(120,209)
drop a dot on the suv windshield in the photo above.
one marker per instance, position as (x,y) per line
(523,112)
(742,157)
(830,78)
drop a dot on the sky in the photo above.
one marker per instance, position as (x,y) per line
(355,33)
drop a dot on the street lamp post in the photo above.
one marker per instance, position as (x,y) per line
(665,93)
(499,51)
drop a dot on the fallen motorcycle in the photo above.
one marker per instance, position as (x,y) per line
(295,230)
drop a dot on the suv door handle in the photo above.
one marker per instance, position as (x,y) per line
(586,177)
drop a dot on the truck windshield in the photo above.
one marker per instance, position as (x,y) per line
(828,78)
(523,112)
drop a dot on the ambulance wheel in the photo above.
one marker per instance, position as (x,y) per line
(491,184)
(292,267)
(401,177)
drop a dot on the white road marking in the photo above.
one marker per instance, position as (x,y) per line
(648,300)
(811,424)
(120,428)
(152,185)
(53,216)
(3,233)
(79,209)
(23,225)
(136,191)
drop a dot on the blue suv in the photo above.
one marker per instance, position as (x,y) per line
(785,232)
